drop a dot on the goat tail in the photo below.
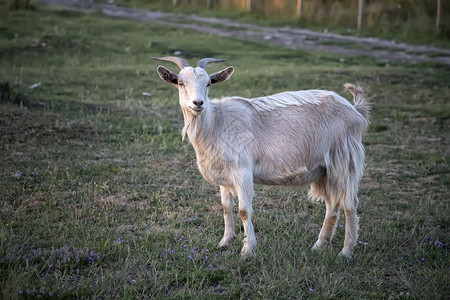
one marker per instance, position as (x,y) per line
(361,99)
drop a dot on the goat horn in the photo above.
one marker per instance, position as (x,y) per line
(204,61)
(181,63)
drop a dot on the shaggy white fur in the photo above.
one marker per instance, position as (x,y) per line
(291,138)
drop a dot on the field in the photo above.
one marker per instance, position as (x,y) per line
(100,197)
(407,20)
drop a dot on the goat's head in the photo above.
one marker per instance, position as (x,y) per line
(193,83)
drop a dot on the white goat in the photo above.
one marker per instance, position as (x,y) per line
(291,138)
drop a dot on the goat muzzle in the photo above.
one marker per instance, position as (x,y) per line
(196,110)
(197,107)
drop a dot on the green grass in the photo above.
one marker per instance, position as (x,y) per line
(101,198)
(406,21)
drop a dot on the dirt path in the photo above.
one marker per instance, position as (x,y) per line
(295,38)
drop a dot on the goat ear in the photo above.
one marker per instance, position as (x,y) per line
(221,75)
(167,75)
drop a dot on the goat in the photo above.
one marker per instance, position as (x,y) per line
(291,138)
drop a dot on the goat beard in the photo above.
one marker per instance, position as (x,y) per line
(190,123)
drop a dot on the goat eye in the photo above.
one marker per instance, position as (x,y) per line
(180,83)
(209,84)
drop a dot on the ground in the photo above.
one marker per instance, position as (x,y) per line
(295,38)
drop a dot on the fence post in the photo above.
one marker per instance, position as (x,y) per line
(249,5)
(299,8)
(208,4)
(174,2)
(360,13)
(439,18)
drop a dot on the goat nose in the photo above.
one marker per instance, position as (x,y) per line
(198,102)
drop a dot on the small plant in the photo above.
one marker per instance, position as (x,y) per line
(61,258)
(20,4)
(182,250)
(435,243)
(53,259)
(42,292)
(11,94)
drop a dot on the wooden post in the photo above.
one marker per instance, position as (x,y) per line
(249,5)
(299,8)
(360,13)
(174,2)
(439,18)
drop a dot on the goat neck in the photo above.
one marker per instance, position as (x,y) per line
(198,126)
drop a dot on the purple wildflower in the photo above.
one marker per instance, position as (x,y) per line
(439,244)
(18,174)
(119,241)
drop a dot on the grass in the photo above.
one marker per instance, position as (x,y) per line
(406,21)
(100,198)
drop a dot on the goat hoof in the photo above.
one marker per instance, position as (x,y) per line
(345,253)
(247,254)
(318,246)
(225,242)
(247,251)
